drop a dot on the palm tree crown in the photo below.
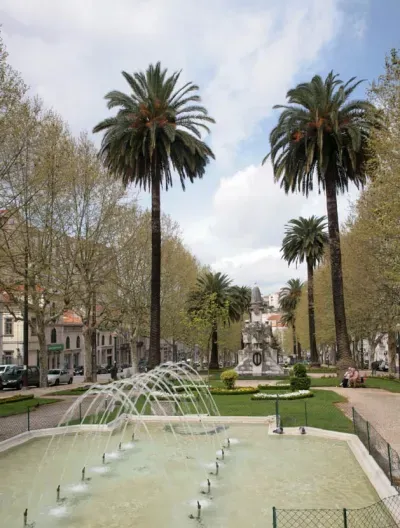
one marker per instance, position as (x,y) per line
(321,132)
(290,294)
(156,130)
(305,240)
(219,286)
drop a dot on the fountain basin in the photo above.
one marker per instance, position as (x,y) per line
(158,483)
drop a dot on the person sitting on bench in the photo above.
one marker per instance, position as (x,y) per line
(346,377)
(354,377)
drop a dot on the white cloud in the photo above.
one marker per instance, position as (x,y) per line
(243,235)
(244,56)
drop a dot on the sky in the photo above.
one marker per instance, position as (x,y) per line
(244,55)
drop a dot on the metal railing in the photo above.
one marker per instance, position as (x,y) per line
(382,452)
(382,514)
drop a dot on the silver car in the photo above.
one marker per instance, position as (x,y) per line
(57,376)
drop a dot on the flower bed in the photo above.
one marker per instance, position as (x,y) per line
(274,387)
(298,395)
(232,392)
(167,396)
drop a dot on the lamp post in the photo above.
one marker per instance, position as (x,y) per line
(398,349)
(26,322)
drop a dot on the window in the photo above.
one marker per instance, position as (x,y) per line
(8,357)
(33,327)
(68,343)
(8,326)
(102,340)
(110,340)
(78,342)
(53,337)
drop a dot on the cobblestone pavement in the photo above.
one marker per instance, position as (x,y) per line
(40,418)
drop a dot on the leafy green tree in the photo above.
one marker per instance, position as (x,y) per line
(217,288)
(156,132)
(305,240)
(289,297)
(322,133)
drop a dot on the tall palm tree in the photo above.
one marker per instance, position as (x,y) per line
(289,297)
(155,132)
(218,287)
(321,133)
(242,297)
(305,240)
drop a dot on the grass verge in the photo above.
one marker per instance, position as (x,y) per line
(20,407)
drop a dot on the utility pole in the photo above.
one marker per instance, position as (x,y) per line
(26,322)
(94,341)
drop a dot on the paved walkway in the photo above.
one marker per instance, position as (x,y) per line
(380,407)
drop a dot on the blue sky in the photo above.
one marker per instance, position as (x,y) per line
(244,55)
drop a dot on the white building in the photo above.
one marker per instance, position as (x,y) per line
(273,301)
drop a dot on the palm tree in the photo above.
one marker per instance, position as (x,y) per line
(305,240)
(156,132)
(218,288)
(289,297)
(242,297)
(322,133)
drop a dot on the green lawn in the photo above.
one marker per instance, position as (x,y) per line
(319,411)
(8,409)
(70,392)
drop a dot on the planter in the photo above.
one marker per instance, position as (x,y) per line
(163,407)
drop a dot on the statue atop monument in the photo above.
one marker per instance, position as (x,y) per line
(257,357)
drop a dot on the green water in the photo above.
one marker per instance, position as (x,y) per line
(157,482)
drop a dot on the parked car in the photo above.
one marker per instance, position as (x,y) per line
(57,376)
(13,378)
(6,368)
(78,371)
(102,370)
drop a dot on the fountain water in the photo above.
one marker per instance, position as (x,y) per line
(112,409)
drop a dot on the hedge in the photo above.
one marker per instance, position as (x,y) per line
(239,390)
(274,387)
(16,398)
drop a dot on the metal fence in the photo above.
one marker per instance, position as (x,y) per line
(383,453)
(308,412)
(383,514)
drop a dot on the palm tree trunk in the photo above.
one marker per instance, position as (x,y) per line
(155,314)
(294,340)
(311,314)
(214,360)
(342,337)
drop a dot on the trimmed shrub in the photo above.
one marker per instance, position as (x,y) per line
(297,384)
(229,378)
(16,398)
(300,380)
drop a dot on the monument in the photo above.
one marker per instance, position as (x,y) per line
(257,358)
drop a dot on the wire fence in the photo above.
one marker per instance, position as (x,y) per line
(322,414)
(383,514)
(383,453)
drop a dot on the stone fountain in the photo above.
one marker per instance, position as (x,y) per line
(257,358)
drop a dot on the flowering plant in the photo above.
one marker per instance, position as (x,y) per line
(238,390)
(298,395)
(168,396)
